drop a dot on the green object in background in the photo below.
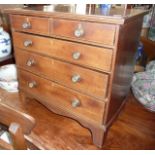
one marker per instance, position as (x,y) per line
(97,5)
(151,35)
(143,86)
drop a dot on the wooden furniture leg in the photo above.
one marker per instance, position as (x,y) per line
(24,98)
(98,135)
(19,124)
(18,140)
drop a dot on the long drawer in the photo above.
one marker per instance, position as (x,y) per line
(94,57)
(86,31)
(62,97)
(78,78)
(30,24)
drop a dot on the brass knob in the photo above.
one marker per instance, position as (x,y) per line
(26,25)
(76,55)
(30,62)
(27,43)
(76,78)
(32,84)
(75,103)
(79,32)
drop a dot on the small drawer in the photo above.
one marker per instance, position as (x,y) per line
(78,78)
(61,97)
(30,24)
(86,31)
(89,56)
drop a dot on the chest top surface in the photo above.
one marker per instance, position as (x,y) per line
(113,15)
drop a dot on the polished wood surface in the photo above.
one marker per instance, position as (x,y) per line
(149,47)
(133,130)
(27,122)
(37,25)
(46,90)
(125,60)
(17,136)
(5,146)
(111,87)
(115,16)
(93,32)
(19,123)
(63,73)
(64,50)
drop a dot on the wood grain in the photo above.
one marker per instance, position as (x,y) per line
(38,25)
(112,86)
(93,32)
(149,47)
(124,65)
(17,137)
(117,16)
(133,130)
(27,122)
(62,73)
(18,123)
(5,146)
(64,50)
(53,93)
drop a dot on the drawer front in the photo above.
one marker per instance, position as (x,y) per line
(94,57)
(30,24)
(78,78)
(62,97)
(86,31)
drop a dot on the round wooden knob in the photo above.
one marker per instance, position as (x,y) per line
(79,32)
(76,78)
(32,84)
(26,25)
(27,43)
(30,62)
(75,103)
(76,55)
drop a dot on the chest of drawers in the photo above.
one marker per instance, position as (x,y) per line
(78,66)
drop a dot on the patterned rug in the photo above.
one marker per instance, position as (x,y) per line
(143,86)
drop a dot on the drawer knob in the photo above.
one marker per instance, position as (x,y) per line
(30,62)
(27,43)
(26,25)
(75,103)
(32,84)
(76,78)
(76,55)
(79,32)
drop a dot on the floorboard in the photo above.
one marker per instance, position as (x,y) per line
(134,129)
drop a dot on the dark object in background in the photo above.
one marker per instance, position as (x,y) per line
(7,60)
(140,56)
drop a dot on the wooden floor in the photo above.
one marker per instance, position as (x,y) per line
(134,129)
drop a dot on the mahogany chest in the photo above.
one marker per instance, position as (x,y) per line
(77,65)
